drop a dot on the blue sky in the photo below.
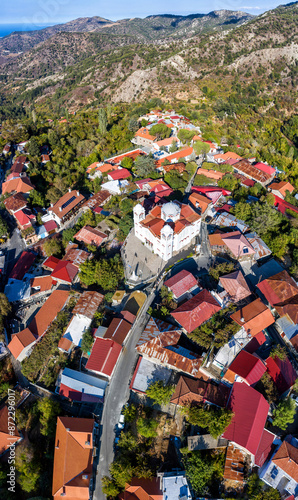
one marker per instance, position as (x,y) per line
(53,11)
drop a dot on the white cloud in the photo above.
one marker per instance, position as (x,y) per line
(250,8)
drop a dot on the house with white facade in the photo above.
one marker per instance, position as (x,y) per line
(166,228)
(281,472)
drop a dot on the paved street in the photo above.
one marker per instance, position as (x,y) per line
(116,396)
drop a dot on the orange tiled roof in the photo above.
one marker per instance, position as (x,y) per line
(20,185)
(44,282)
(142,489)
(282,187)
(48,312)
(199,200)
(287,459)
(7,437)
(19,341)
(73,460)
(256,317)
(67,203)
(144,133)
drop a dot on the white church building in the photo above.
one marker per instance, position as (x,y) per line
(166,228)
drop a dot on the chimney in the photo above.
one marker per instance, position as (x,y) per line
(78,193)
(60,209)
(52,205)
(242,320)
(69,190)
(67,428)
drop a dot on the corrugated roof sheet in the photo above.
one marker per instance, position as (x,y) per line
(234,464)
(104,356)
(181,283)
(118,330)
(196,311)
(250,414)
(48,312)
(260,248)
(282,373)
(235,285)
(248,366)
(278,288)
(88,304)
(265,448)
(22,265)
(90,236)
(65,271)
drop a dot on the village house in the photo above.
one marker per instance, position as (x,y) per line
(233,288)
(65,208)
(22,343)
(187,153)
(20,184)
(143,137)
(73,458)
(222,157)
(80,386)
(166,229)
(6,149)
(281,472)
(165,144)
(118,330)
(200,202)
(280,188)
(246,367)
(234,244)
(182,285)
(97,200)
(246,430)
(15,203)
(119,174)
(189,391)
(90,236)
(161,343)
(104,357)
(142,489)
(254,317)
(158,187)
(282,373)
(24,218)
(81,320)
(245,168)
(196,311)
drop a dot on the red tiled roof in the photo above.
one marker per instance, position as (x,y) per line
(249,367)
(65,271)
(181,283)
(22,266)
(265,448)
(48,312)
(256,317)
(44,282)
(250,414)
(189,390)
(20,185)
(104,356)
(24,216)
(282,373)
(196,311)
(90,236)
(15,202)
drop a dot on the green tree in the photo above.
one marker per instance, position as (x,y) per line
(185,135)
(242,211)
(33,147)
(264,219)
(279,352)
(68,235)
(203,471)
(216,420)
(109,487)
(133,125)
(201,147)
(48,413)
(268,388)
(52,246)
(159,392)
(146,427)
(228,182)
(4,231)
(284,414)
(127,441)
(221,269)
(144,166)
(28,470)
(161,131)
(102,121)
(127,162)
(130,412)
(87,341)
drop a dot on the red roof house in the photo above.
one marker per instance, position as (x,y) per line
(24,218)
(118,175)
(247,366)
(282,373)
(235,286)
(181,283)
(104,357)
(90,236)
(22,266)
(51,262)
(250,410)
(255,343)
(196,311)
(64,272)
(265,168)
(265,448)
